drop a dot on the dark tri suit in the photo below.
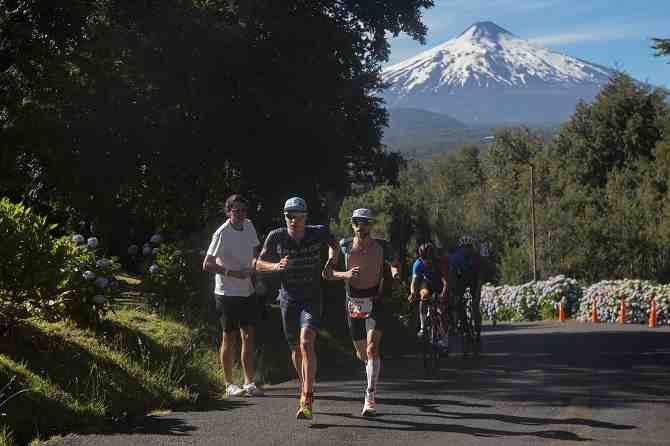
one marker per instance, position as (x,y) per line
(300,296)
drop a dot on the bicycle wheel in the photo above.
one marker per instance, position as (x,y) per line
(436,350)
(426,347)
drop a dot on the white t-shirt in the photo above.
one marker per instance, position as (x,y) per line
(236,250)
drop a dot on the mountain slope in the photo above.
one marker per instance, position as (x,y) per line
(488,75)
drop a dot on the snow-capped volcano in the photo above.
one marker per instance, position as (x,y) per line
(487,74)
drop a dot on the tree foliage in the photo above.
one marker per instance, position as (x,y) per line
(150,113)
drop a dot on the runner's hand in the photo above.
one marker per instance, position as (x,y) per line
(354,272)
(282,265)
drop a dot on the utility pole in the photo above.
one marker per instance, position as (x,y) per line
(532,221)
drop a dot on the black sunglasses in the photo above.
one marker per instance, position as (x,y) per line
(294,216)
(360,221)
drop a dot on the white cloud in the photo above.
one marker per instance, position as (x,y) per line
(600,35)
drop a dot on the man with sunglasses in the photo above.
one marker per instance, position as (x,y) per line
(365,261)
(231,257)
(295,252)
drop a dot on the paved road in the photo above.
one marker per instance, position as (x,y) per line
(543,383)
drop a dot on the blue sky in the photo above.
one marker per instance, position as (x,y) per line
(614,33)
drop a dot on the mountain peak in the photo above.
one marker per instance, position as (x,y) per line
(485,30)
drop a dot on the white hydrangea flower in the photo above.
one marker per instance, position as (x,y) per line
(89,275)
(92,242)
(156,239)
(147,250)
(78,238)
(103,263)
(153,269)
(101,282)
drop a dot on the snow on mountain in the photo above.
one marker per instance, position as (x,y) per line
(508,78)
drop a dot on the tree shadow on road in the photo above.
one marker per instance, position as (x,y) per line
(582,369)
(386,423)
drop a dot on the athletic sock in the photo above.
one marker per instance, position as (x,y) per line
(372,370)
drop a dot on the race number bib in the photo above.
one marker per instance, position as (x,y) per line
(359,308)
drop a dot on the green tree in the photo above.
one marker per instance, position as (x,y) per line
(158,110)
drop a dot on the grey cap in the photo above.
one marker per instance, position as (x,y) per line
(295,204)
(363,213)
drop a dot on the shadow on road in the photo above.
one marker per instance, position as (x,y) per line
(383,423)
(558,367)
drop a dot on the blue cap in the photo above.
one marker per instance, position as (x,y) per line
(295,204)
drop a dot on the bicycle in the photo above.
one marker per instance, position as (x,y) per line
(432,350)
(466,324)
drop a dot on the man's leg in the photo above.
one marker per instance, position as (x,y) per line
(373,366)
(291,326)
(424,294)
(226,353)
(229,321)
(247,353)
(477,314)
(308,357)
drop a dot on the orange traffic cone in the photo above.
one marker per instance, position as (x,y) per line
(594,313)
(652,313)
(561,312)
(622,312)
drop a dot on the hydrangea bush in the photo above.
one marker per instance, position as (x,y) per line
(173,277)
(87,287)
(530,301)
(606,296)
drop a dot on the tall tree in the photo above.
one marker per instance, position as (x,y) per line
(162,108)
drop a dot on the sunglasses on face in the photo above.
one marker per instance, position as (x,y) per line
(297,217)
(359,221)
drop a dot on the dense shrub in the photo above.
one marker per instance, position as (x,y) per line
(31,261)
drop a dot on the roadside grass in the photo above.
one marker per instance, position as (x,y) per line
(57,378)
(75,379)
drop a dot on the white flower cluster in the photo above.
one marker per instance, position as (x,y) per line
(637,294)
(526,301)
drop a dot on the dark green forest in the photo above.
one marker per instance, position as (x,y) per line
(143,116)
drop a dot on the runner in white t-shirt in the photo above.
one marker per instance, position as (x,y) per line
(231,256)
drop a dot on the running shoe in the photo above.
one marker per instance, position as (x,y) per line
(234,390)
(420,333)
(304,409)
(251,390)
(369,409)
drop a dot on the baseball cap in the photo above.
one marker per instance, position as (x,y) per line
(295,204)
(362,213)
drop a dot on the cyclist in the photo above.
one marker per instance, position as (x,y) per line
(465,272)
(427,280)
(366,260)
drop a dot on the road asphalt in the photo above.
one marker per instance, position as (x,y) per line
(544,383)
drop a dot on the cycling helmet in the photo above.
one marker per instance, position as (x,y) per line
(465,241)
(426,250)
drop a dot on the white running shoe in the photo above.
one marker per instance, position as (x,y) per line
(234,390)
(369,409)
(251,390)
(420,333)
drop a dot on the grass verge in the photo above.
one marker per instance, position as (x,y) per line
(73,379)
